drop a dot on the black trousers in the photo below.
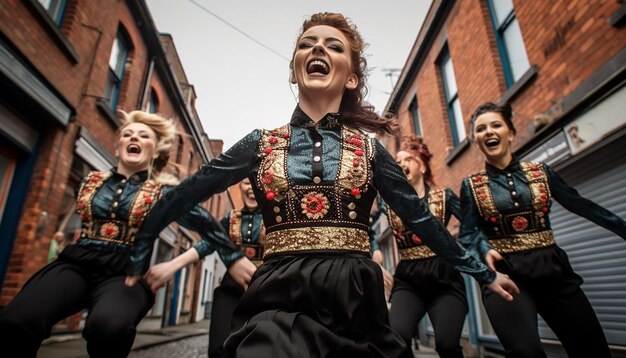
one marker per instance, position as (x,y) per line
(564,307)
(446,311)
(225,299)
(61,289)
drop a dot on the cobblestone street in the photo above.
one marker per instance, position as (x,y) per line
(194,347)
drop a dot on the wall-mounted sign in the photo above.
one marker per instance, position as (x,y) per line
(600,121)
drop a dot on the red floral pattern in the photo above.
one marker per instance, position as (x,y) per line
(314,205)
(520,223)
(109,231)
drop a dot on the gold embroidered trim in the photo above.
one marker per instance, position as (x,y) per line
(416,253)
(483,197)
(234,227)
(437,204)
(316,238)
(272,177)
(523,241)
(537,179)
(104,229)
(354,163)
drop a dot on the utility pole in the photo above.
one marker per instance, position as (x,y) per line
(390,72)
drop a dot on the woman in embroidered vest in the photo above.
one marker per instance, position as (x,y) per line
(90,274)
(422,281)
(506,222)
(246,230)
(318,293)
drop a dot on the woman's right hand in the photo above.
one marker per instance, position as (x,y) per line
(503,286)
(241,271)
(491,257)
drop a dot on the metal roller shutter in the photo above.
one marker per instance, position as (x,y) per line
(597,254)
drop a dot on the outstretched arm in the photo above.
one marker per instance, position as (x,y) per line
(393,186)
(572,201)
(215,177)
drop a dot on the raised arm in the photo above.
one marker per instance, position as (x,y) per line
(572,201)
(215,177)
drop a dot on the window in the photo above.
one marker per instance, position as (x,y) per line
(153,102)
(509,39)
(455,116)
(117,63)
(55,9)
(415,115)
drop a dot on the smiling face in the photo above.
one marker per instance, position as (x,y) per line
(322,62)
(412,167)
(136,147)
(247,194)
(493,137)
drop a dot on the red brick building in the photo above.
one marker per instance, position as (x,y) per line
(66,68)
(562,66)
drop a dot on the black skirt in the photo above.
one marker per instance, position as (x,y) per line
(315,305)
(429,278)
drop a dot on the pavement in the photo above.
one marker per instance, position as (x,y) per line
(149,334)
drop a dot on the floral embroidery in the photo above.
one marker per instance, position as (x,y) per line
(314,205)
(109,231)
(520,223)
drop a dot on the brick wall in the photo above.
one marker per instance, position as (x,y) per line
(567,40)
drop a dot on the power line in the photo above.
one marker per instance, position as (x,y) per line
(239,30)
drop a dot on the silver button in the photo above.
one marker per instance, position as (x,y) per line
(276,209)
(249,224)
(249,232)
(352,215)
(351,206)
(115,204)
(279,219)
(317,180)
(113,215)
(318,144)
(123,181)
(317,158)
(248,240)
(516,204)
(513,193)
(508,175)
(118,191)
(510,182)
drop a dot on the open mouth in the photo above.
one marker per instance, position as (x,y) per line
(406,171)
(133,149)
(490,143)
(317,66)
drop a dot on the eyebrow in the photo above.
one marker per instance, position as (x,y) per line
(328,39)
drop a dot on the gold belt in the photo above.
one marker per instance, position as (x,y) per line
(416,253)
(523,241)
(316,238)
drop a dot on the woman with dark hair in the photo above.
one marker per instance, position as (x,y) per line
(506,222)
(90,274)
(318,293)
(423,282)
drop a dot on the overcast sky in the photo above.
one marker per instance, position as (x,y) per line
(240,70)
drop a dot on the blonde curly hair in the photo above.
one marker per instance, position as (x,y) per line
(165,130)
